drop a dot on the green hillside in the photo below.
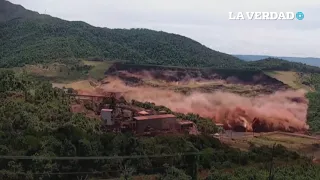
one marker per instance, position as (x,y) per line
(313,61)
(295,74)
(29,37)
(9,12)
(282,65)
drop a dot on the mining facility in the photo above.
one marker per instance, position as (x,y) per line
(144,122)
(118,115)
(124,117)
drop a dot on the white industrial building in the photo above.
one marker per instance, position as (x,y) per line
(106,115)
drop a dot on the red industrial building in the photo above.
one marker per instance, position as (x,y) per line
(184,125)
(155,122)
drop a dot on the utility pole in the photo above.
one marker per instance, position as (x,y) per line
(271,174)
(195,167)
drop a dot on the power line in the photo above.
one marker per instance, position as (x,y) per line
(95,157)
(71,173)
(89,172)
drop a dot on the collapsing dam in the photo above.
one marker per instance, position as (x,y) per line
(284,110)
(274,108)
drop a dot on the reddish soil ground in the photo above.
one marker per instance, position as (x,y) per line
(80,108)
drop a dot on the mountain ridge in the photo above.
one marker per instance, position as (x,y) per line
(10,11)
(37,38)
(32,38)
(314,61)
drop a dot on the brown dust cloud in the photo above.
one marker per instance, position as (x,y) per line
(283,111)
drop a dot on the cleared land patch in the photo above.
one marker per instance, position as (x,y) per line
(290,78)
(55,72)
(79,85)
(66,72)
(98,68)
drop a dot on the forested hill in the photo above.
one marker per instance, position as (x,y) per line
(307,60)
(281,65)
(29,37)
(9,12)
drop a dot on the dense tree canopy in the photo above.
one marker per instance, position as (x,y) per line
(314,111)
(281,65)
(29,38)
(40,38)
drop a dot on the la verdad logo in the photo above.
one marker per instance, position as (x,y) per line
(265,16)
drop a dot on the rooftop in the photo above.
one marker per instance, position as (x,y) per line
(183,122)
(143,113)
(107,110)
(219,124)
(161,116)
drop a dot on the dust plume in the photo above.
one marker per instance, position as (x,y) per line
(284,110)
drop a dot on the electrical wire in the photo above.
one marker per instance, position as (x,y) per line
(96,157)
(87,173)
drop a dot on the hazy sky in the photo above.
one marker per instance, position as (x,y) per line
(203,20)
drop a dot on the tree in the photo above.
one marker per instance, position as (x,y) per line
(173,173)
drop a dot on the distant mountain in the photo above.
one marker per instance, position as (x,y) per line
(306,60)
(29,37)
(8,11)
